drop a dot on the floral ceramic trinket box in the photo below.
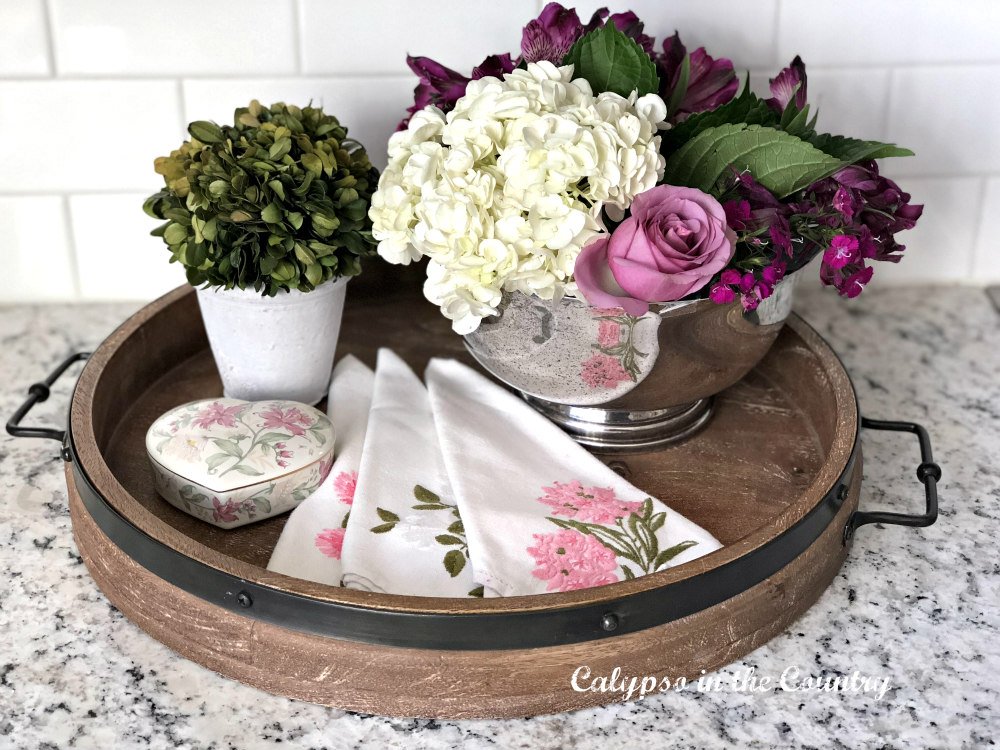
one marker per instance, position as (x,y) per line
(232,462)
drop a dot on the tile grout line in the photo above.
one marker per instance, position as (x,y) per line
(980,224)
(298,36)
(50,38)
(74,261)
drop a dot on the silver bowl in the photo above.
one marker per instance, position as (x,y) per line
(617,383)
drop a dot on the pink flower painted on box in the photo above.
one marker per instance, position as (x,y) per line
(608,334)
(226,512)
(345,484)
(330,542)
(603,371)
(291,419)
(591,504)
(568,560)
(216,413)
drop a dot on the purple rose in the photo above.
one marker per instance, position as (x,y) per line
(674,242)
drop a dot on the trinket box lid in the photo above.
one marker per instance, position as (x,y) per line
(224,443)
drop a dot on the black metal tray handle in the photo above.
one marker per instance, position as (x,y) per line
(928,472)
(37,393)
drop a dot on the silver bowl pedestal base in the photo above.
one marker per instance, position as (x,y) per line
(626,431)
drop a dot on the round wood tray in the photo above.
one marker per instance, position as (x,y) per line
(774,476)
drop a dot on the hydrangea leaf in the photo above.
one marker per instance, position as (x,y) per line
(746,108)
(610,61)
(851,150)
(780,162)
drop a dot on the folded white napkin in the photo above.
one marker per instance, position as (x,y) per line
(540,512)
(310,544)
(404,535)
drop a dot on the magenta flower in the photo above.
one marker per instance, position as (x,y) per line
(224,512)
(345,485)
(550,36)
(711,82)
(330,542)
(603,371)
(216,413)
(783,86)
(590,504)
(608,334)
(674,242)
(843,249)
(291,419)
(569,560)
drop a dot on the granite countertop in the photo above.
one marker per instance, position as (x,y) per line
(918,608)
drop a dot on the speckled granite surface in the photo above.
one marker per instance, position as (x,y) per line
(919,608)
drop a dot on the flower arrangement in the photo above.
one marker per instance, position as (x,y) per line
(598,165)
(276,201)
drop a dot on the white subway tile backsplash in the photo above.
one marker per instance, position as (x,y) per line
(948,116)
(116,256)
(862,32)
(376,37)
(23,44)
(850,102)
(986,261)
(369,107)
(34,244)
(940,247)
(182,37)
(85,135)
(91,91)
(740,30)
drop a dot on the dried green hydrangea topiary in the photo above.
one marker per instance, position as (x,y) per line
(277,201)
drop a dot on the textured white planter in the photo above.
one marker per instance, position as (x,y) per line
(279,347)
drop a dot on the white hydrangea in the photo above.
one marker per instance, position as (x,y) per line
(504,191)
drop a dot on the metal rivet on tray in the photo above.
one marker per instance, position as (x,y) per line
(609,622)
(244,599)
(621,468)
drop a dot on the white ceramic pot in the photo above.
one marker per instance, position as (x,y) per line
(279,347)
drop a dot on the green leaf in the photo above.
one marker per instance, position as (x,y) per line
(657,521)
(454,562)
(780,162)
(206,132)
(249,471)
(457,527)
(279,148)
(680,90)
(424,495)
(447,539)
(174,234)
(271,214)
(647,508)
(430,506)
(670,553)
(272,437)
(262,503)
(382,528)
(228,446)
(610,61)
(851,150)
(387,515)
(275,185)
(477,592)
(629,575)
(745,108)
(216,460)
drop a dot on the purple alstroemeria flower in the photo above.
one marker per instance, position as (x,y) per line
(442,86)
(495,66)
(711,82)
(438,85)
(628,23)
(783,86)
(550,36)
